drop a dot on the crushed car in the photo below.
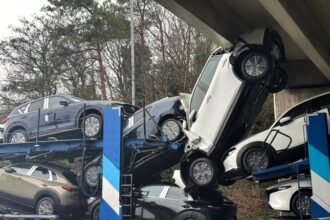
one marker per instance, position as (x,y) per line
(60,116)
(152,142)
(225,101)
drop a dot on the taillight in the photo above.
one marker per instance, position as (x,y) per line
(5,120)
(68,189)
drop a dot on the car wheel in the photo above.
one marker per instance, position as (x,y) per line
(255,157)
(93,125)
(45,206)
(191,216)
(91,176)
(302,205)
(202,172)
(96,213)
(18,136)
(171,129)
(253,65)
(278,81)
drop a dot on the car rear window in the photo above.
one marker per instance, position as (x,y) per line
(71,177)
(204,83)
(152,191)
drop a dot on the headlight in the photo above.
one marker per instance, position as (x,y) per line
(256,65)
(92,176)
(171,129)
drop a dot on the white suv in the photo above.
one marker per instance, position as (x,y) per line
(226,99)
(284,142)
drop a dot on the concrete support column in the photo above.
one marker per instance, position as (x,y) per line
(290,97)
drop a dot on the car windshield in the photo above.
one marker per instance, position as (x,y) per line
(204,82)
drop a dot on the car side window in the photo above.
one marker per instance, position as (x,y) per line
(41,173)
(176,193)
(54,176)
(204,83)
(152,191)
(54,102)
(21,168)
(34,106)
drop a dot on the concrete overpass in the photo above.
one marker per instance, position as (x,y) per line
(303,24)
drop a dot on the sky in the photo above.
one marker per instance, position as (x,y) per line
(12,10)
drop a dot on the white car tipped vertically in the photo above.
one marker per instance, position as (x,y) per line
(225,101)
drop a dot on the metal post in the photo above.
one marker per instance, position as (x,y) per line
(132,52)
(38,128)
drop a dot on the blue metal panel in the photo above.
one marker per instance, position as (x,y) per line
(112,142)
(318,149)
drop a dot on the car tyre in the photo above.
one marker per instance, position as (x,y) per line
(18,136)
(96,212)
(278,81)
(191,216)
(166,126)
(45,206)
(202,172)
(305,196)
(93,126)
(252,158)
(246,62)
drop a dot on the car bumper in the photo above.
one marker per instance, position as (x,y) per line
(280,200)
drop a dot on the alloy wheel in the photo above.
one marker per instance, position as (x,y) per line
(92,126)
(202,172)
(303,205)
(18,138)
(257,159)
(45,207)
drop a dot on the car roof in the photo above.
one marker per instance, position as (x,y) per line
(49,166)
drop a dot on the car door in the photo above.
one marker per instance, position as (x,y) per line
(292,133)
(64,116)
(35,181)
(146,207)
(32,118)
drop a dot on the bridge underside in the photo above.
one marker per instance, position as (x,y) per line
(303,25)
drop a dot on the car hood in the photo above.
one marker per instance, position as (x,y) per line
(303,182)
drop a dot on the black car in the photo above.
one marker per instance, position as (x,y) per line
(159,120)
(60,117)
(153,142)
(167,202)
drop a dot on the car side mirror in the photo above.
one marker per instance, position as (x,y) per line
(9,170)
(285,120)
(64,103)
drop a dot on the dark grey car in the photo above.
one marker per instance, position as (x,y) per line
(60,117)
